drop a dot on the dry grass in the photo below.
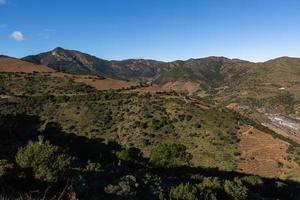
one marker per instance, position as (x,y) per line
(263,155)
(14,65)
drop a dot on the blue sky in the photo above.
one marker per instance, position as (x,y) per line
(255,30)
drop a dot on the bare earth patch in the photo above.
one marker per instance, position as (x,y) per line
(105,84)
(8,64)
(263,155)
(189,86)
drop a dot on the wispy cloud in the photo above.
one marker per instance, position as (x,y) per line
(46,33)
(44,36)
(2,2)
(17,36)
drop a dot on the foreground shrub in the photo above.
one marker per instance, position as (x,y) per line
(253,181)
(169,155)
(127,186)
(184,191)
(46,161)
(235,189)
(129,154)
(6,168)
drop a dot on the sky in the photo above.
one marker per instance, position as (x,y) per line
(255,30)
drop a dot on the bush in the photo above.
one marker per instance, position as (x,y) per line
(129,154)
(235,189)
(46,161)
(253,181)
(184,191)
(6,168)
(93,167)
(210,183)
(169,155)
(127,186)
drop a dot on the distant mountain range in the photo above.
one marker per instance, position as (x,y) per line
(212,71)
(266,84)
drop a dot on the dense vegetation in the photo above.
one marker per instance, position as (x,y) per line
(63,140)
(56,163)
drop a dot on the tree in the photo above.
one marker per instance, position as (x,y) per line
(46,161)
(169,155)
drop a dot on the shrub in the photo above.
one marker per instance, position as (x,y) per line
(184,191)
(235,189)
(6,168)
(129,154)
(169,155)
(46,161)
(126,186)
(252,180)
(93,167)
(210,183)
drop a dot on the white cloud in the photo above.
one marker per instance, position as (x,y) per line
(17,36)
(2,2)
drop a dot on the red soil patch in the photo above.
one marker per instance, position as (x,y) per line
(263,155)
(104,84)
(8,64)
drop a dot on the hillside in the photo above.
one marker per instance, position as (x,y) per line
(207,74)
(128,119)
(209,70)
(66,112)
(8,64)
(255,88)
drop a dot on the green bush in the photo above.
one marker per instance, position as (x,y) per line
(236,190)
(126,186)
(184,191)
(169,155)
(252,180)
(46,161)
(210,183)
(128,154)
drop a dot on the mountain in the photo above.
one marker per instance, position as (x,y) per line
(211,70)
(71,61)
(224,79)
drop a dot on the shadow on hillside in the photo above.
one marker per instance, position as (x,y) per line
(15,131)
(80,146)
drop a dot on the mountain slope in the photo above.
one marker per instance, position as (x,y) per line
(210,70)
(71,61)
(271,84)
(8,64)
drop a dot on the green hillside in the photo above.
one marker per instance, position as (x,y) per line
(110,136)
